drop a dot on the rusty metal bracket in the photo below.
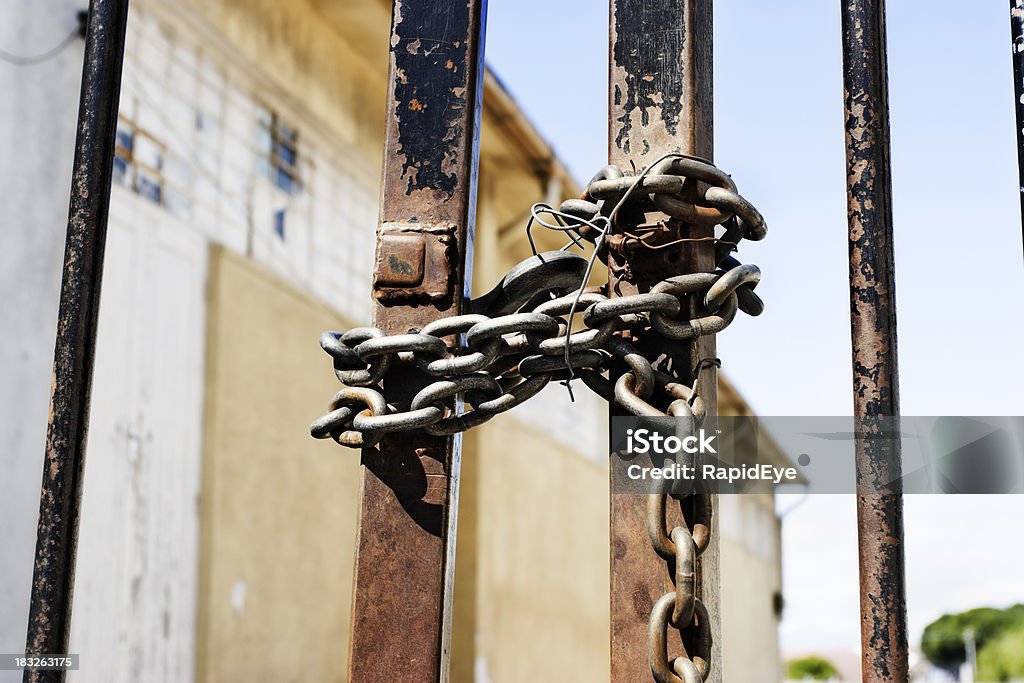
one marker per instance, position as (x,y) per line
(414,264)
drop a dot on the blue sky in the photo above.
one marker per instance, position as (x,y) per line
(778,131)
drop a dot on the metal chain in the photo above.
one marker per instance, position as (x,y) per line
(680,609)
(496,363)
(510,358)
(665,186)
(482,365)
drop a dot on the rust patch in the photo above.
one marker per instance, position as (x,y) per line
(400,260)
(414,263)
(406,544)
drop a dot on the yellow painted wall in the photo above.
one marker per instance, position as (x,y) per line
(279,514)
(278,509)
(531,592)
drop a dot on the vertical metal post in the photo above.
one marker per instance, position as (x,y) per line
(1017,36)
(401,610)
(53,574)
(873,322)
(659,101)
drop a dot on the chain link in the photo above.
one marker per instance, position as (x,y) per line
(680,609)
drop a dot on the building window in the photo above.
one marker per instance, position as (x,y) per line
(123,146)
(143,164)
(206,123)
(277,147)
(279,224)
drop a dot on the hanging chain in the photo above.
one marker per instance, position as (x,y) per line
(681,609)
(521,336)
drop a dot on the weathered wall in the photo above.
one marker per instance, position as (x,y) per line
(37,133)
(751,570)
(534,553)
(304,56)
(135,589)
(278,508)
(751,578)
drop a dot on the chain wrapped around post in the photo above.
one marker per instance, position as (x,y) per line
(508,359)
(680,610)
(520,336)
(497,362)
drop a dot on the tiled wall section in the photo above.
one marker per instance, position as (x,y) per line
(202,122)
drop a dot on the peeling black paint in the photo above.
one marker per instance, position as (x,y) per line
(650,40)
(1017,39)
(873,325)
(430,92)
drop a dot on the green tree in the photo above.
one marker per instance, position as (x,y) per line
(1002,657)
(813,668)
(943,640)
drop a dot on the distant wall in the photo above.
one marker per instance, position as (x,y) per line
(278,508)
(136,580)
(751,577)
(531,593)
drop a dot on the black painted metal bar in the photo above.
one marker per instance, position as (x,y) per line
(1017,36)
(54,570)
(873,326)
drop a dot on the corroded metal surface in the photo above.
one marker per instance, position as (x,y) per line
(414,264)
(54,570)
(873,320)
(1017,38)
(660,100)
(404,568)
(660,86)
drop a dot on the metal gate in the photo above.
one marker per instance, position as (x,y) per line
(664,552)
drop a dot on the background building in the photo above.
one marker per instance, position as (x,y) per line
(217,537)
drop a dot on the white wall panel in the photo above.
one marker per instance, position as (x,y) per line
(135,604)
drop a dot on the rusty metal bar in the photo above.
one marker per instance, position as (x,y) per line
(873,324)
(659,101)
(1017,37)
(401,609)
(53,574)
